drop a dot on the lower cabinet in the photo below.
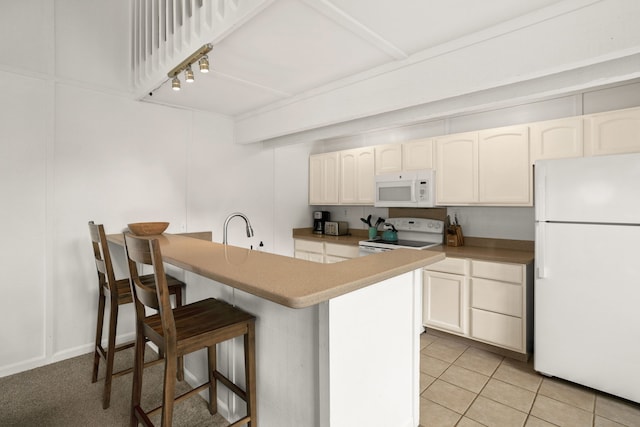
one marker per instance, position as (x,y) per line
(446,296)
(323,252)
(486,301)
(308,250)
(336,252)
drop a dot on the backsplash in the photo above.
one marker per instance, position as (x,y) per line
(514,223)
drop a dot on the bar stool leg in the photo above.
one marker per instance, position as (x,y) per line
(169,387)
(138,368)
(213,385)
(111,351)
(178,296)
(99,327)
(250,372)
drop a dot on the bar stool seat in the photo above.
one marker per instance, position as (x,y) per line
(183,330)
(117,292)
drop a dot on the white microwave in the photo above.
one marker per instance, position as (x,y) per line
(406,189)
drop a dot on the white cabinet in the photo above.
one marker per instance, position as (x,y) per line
(418,155)
(309,250)
(336,252)
(323,252)
(388,158)
(504,173)
(485,301)
(490,167)
(500,305)
(357,176)
(446,295)
(557,139)
(408,156)
(323,179)
(614,132)
(457,169)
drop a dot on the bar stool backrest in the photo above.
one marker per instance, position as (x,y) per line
(146,251)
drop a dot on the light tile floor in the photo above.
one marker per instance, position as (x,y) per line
(467,386)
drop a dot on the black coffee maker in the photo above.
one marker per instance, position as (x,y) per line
(319,218)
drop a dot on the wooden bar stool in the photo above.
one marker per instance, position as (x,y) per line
(183,330)
(117,292)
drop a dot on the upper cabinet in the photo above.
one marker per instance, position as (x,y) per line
(324,179)
(490,167)
(556,139)
(614,132)
(457,169)
(388,158)
(504,172)
(357,176)
(408,156)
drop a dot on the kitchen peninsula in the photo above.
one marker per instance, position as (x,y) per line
(337,344)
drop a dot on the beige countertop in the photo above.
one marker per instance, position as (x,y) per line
(284,280)
(498,250)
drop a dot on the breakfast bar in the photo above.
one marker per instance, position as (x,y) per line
(337,344)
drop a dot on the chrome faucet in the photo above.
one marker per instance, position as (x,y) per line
(226,224)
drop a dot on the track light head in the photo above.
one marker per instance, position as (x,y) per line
(175,83)
(204,64)
(188,74)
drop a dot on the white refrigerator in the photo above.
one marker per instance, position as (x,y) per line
(587,275)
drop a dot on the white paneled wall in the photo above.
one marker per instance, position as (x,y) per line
(23,196)
(75,147)
(116,161)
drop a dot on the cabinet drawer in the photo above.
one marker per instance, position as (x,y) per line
(343,251)
(309,246)
(451,265)
(500,297)
(500,329)
(498,271)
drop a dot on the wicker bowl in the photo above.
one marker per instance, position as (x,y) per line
(148,228)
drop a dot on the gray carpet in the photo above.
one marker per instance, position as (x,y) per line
(61,394)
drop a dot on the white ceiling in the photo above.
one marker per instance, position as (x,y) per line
(295,46)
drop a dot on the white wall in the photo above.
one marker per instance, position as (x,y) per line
(75,147)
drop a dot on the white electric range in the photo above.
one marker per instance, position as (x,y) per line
(413,233)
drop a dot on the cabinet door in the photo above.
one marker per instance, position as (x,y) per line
(457,169)
(417,155)
(445,302)
(504,171)
(323,179)
(357,185)
(341,251)
(556,139)
(614,132)
(388,158)
(308,250)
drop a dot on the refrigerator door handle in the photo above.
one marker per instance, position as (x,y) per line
(540,183)
(541,267)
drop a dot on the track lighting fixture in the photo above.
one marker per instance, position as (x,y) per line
(199,56)
(175,83)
